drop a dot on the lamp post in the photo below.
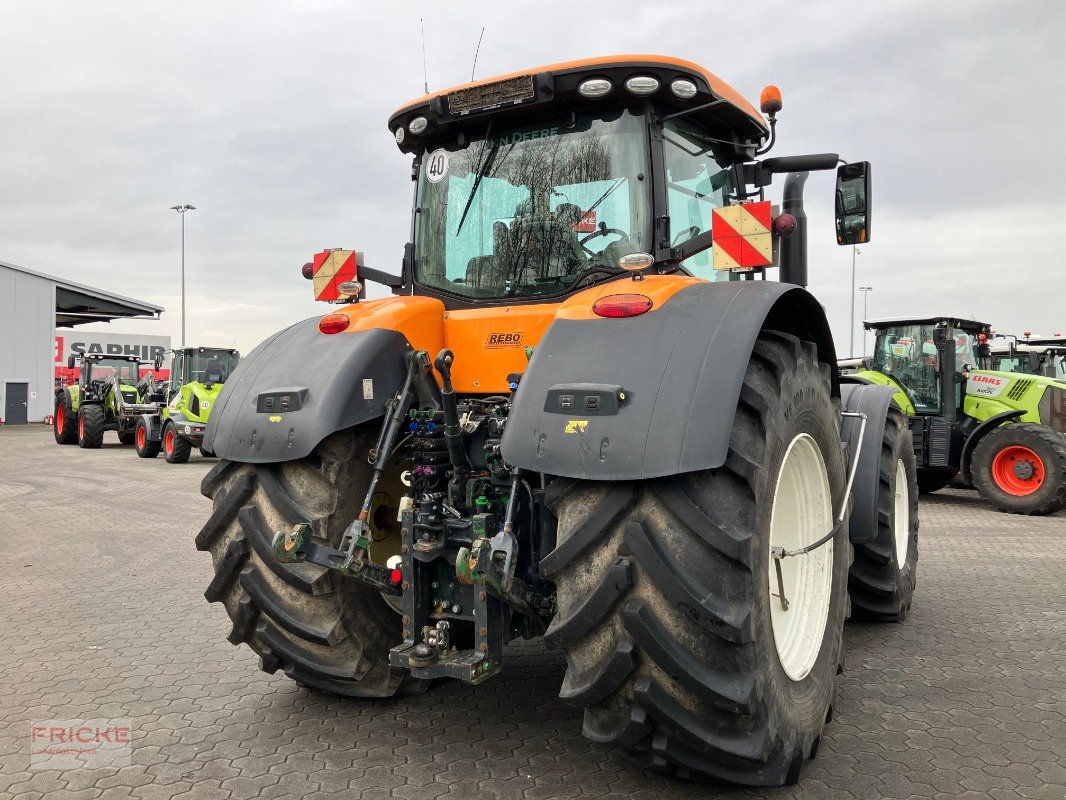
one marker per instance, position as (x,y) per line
(865,296)
(181,210)
(851,336)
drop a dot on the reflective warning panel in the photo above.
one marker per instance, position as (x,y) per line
(330,269)
(741,236)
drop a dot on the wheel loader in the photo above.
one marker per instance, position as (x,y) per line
(1001,432)
(110,395)
(197,375)
(586,414)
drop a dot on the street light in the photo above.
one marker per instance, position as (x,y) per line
(181,210)
(851,338)
(865,295)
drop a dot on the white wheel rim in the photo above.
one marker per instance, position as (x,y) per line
(801,514)
(901,515)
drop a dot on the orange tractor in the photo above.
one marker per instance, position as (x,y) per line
(585,415)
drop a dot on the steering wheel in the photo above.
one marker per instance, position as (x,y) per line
(603,230)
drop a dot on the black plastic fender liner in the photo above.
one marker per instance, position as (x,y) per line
(331,382)
(680,368)
(873,400)
(979,433)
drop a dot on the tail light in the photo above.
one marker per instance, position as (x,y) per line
(622,305)
(334,323)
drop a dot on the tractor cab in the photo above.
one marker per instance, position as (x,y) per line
(533,187)
(99,372)
(928,360)
(206,366)
(1033,356)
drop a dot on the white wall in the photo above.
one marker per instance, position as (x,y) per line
(27,338)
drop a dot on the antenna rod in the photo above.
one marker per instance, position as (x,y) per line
(478,50)
(425,73)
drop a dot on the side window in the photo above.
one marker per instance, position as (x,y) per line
(699,179)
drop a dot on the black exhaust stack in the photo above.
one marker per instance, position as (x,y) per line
(794,248)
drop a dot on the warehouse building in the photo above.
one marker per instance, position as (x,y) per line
(32,306)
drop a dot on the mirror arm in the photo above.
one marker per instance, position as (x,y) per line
(384,278)
(697,244)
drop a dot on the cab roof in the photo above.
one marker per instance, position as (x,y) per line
(962,322)
(556,85)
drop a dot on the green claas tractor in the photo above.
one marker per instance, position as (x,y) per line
(109,396)
(999,431)
(584,414)
(197,375)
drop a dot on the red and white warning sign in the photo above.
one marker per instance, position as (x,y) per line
(330,269)
(741,237)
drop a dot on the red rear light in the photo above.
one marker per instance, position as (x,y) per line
(395,576)
(622,305)
(334,323)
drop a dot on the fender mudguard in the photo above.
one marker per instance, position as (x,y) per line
(874,401)
(979,433)
(298,387)
(666,383)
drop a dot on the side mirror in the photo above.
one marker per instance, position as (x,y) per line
(70,362)
(853,203)
(157,363)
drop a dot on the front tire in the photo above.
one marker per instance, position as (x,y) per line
(175,449)
(146,448)
(65,421)
(320,628)
(126,437)
(666,589)
(883,576)
(91,426)
(1020,468)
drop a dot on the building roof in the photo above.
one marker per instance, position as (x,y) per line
(78,304)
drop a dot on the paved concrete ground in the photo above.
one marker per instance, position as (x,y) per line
(102,616)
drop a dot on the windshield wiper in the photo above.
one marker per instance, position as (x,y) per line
(485,166)
(605,195)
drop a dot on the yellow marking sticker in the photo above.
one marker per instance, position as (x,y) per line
(275,419)
(576,426)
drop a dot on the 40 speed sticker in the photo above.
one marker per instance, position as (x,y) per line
(437,166)
(986,385)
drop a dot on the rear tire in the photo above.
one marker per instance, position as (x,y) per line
(933,480)
(664,591)
(882,578)
(206,453)
(145,447)
(1020,468)
(320,628)
(175,449)
(90,426)
(65,421)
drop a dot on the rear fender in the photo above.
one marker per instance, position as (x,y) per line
(979,433)
(332,382)
(873,401)
(678,369)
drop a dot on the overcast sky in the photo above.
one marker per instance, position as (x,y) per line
(270,118)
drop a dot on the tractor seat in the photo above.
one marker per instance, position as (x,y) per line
(545,244)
